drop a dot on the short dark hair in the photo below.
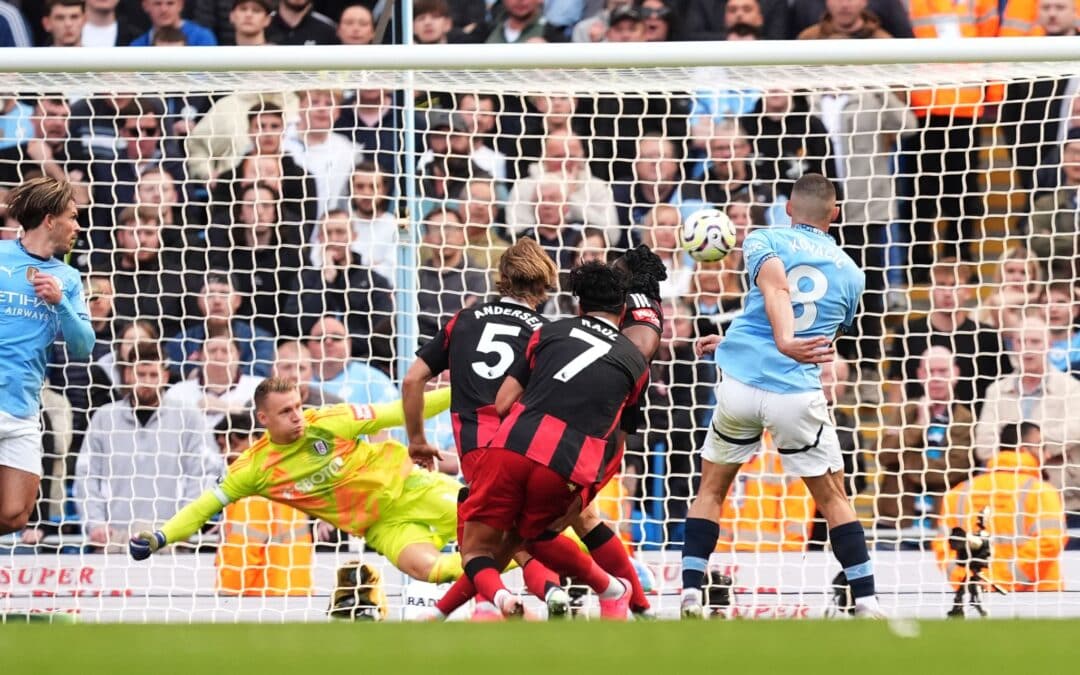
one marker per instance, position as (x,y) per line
(437,7)
(264,108)
(169,34)
(34,200)
(146,351)
(745,30)
(239,423)
(1012,435)
(50,4)
(272,385)
(217,277)
(599,287)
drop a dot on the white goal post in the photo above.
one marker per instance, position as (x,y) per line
(209,173)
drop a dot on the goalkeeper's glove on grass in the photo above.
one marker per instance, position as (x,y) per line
(142,545)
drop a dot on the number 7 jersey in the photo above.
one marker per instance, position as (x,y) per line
(826,286)
(578,376)
(479,345)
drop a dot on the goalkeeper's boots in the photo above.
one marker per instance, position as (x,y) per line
(359,594)
(690,607)
(558,604)
(841,604)
(718,593)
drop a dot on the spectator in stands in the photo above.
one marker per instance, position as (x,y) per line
(542,116)
(357,25)
(625,25)
(1061,322)
(214,14)
(341,375)
(63,21)
(249,20)
(375,123)
(726,174)
(104,27)
(716,290)
(328,156)
(13,29)
(48,149)
(657,173)
(590,200)
(166,14)
(938,165)
(661,21)
(556,229)
(523,21)
(891,15)
(341,285)
(787,141)
(926,446)
(169,37)
(149,280)
(1042,396)
(262,252)
(216,385)
(464,144)
(267,162)
(660,232)
(142,460)
(217,304)
(447,283)
(713,19)
(1017,284)
(431,22)
(1036,109)
(1054,231)
(293,362)
(1025,523)
(863,127)
(222,136)
(297,23)
(846,19)
(109,369)
(477,210)
(1036,17)
(593,26)
(977,349)
(80,380)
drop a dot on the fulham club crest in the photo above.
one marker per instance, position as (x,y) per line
(321,448)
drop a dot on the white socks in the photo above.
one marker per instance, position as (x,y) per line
(615,589)
(693,593)
(869,602)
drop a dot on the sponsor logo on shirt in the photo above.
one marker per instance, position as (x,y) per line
(321,448)
(646,315)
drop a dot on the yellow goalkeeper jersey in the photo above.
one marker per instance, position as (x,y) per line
(330,473)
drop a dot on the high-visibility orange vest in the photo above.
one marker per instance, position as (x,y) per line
(766,510)
(954,19)
(266,549)
(1021,17)
(1026,524)
(613,503)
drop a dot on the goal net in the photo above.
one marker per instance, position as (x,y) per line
(321,224)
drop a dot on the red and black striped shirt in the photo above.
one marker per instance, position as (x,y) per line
(479,345)
(578,376)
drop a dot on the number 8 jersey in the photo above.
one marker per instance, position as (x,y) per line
(479,345)
(825,289)
(578,376)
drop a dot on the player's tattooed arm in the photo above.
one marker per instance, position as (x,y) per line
(773,284)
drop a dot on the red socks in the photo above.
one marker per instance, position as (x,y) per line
(457,595)
(538,578)
(563,555)
(612,557)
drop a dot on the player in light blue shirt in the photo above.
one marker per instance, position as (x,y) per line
(804,289)
(40,300)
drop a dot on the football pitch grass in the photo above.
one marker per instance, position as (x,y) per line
(659,648)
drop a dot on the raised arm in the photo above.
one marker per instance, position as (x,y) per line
(412,404)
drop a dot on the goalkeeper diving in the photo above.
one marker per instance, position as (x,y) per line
(318,462)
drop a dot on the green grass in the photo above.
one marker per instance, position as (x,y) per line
(660,648)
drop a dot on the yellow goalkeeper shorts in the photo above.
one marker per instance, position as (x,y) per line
(426,512)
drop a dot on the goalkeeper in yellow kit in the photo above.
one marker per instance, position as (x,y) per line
(317,462)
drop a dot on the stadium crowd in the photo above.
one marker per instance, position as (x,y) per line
(250,234)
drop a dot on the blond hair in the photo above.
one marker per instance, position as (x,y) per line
(526,272)
(34,200)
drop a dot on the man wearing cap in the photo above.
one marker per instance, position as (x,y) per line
(625,25)
(250,19)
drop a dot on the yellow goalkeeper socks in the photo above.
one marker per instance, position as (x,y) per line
(447,567)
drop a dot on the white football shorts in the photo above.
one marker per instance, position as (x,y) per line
(20,443)
(801,428)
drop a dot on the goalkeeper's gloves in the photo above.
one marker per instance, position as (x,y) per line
(144,544)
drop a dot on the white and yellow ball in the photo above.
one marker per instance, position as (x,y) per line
(708,235)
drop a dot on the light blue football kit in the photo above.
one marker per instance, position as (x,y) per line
(28,328)
(763,389)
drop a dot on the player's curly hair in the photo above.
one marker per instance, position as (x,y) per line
(526,272)
(646,271)
(599,287)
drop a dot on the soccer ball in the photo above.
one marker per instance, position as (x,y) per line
(708,235)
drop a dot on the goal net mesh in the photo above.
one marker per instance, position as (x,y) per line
(257,222)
